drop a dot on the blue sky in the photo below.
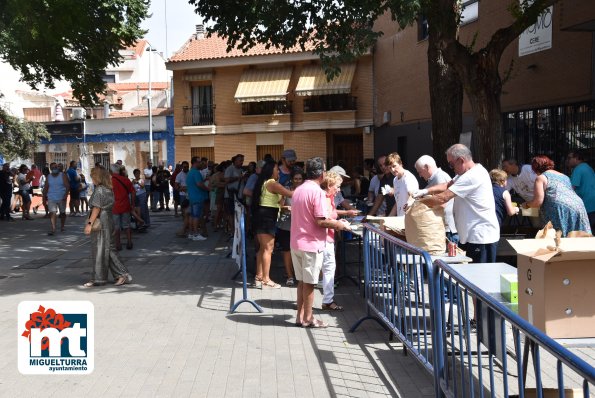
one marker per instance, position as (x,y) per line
(181,22)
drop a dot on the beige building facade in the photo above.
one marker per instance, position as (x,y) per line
(265,101)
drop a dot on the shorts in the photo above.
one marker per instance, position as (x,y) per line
(74,194)
(121,221)
(55,205)
(265,220)
(184,202)
(282,238)
(307,265)
(196,209)
(25,197)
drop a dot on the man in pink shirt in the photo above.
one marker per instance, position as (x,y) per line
(309,221)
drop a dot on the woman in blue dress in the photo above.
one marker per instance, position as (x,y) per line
(557,200)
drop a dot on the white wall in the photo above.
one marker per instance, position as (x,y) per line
(124,125)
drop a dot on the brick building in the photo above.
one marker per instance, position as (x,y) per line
(266,100)
(548,102)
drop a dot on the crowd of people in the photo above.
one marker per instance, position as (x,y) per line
(476,202)
(296,207)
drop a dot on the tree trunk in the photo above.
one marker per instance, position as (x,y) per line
(483,87)
(446,102)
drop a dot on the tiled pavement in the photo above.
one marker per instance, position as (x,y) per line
(170,334)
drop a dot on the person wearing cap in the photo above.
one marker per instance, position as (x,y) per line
(404,184)
(339,199)
(288,159)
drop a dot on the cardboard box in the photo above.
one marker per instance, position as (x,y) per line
(557,288)
(509,287)
(553,393)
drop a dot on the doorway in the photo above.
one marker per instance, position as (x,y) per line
(347,150)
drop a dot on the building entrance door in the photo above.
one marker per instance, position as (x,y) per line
(347,149)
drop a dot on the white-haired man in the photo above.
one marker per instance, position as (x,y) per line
(434,175)
(474,206)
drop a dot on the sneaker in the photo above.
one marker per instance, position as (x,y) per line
(198,237)
(290,282)
(190,236)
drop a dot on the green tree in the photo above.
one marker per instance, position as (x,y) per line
(343,30)
(74,40)
(19,138)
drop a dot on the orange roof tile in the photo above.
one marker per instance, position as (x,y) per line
(215,47)
(137,47)
(141,112)
(140,85)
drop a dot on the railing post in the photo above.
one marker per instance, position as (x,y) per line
(437,332)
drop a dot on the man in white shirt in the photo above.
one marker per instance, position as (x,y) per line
(474,207)
(405,184)
(520,178)
(427,169)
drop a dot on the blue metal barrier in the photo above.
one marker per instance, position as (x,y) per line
(241,251)
(484,347)
(396,275)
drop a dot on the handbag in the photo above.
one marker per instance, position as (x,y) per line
(96,226)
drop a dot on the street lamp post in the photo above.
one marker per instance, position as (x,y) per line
(149,102)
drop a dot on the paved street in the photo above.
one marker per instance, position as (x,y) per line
(170,334)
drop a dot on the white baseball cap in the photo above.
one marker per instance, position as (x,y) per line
(339,170)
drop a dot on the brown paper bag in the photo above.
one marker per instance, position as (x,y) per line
(424,227)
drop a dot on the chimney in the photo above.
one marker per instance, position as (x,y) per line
(106,110)
(200,32)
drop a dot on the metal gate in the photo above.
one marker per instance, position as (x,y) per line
(552,131)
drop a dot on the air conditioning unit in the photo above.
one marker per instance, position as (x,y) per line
(79,114)
(386,118)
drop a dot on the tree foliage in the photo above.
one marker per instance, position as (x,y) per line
(19,138)
(342,30)
(74,40)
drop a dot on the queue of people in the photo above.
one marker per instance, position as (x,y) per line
(296,206)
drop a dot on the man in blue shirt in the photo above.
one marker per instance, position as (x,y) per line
(74,180)
(583,182)
(198,193)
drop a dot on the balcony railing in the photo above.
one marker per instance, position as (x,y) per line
(201,115)
(266,108)
(329,103)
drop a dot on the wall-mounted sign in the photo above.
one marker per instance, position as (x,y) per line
(537,37)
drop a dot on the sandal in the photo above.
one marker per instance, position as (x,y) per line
(258,282)
(271,284)
(93,284)
(315,324)
(332,307)
(122,280)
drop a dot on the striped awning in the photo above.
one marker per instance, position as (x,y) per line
(199,77)
(313,81)
(263,85)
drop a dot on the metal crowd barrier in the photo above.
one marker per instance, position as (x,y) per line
(395,287)
(239,254)
(484,347)
(473,345)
